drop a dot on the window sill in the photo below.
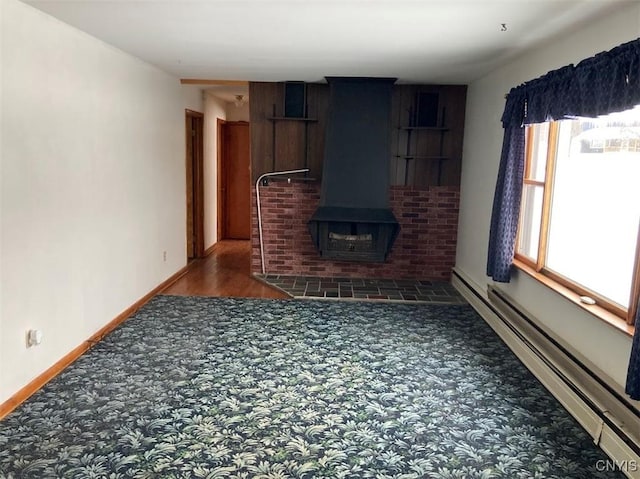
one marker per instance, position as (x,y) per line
(595,310)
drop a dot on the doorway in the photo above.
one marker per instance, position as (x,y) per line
(234,187)
(194,122)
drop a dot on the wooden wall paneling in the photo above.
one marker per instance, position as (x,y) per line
(454,100)
(287,136)
(318,108)
(411,172)
(400,148)
(261,98)
(308,129)
(423,172)
(278,100)
(290,147)
(427,150)
(286,144)
(409,104)
(395,171)
(292,137)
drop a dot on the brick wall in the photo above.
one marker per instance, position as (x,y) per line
(424,249)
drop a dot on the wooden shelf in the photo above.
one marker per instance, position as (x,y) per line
(290,118)
(433,128)
(291,179)
(418,157)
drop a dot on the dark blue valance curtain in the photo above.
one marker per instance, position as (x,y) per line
(605,83)
(602,84)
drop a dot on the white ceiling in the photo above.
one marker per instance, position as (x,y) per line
(425,41)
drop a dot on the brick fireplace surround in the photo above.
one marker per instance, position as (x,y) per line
(425,247)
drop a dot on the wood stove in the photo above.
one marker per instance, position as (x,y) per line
(354,221)
(353,234)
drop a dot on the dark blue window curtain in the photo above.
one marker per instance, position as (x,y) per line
(506,205)
(603,84)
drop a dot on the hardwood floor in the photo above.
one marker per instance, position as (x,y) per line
(225,272)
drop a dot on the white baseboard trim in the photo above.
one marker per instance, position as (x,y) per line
(609,422)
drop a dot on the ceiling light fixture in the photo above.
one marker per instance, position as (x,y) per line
(240,100)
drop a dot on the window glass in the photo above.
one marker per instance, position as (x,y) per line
(539,147)
(531,212)
(595,203)
(580,215)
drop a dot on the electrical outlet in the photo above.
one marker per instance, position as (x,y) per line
(164,256)
(34,337)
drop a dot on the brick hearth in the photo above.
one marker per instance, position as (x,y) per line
(425,247)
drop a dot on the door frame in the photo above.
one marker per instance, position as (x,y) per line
(220,190)
(197,169)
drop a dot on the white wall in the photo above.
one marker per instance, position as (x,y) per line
(92,189)
(193,98)
(3,395)
(606,347)
(214,108)
(235,113)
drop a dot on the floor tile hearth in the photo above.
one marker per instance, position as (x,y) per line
(365,288)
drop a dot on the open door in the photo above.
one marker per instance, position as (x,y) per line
(195,183)
(234,190)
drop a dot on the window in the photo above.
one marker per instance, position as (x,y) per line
(579,221)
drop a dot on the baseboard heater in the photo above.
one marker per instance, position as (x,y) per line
(593,398)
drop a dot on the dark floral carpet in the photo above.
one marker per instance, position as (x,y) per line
(236,388)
